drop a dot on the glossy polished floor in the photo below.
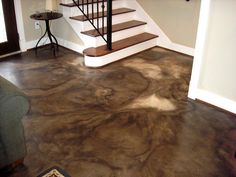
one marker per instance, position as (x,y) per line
(131,118)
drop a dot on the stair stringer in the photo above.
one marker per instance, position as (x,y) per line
(76,25)
(140,14)
(152,27)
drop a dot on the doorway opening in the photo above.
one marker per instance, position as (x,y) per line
(3,34)
(9,39)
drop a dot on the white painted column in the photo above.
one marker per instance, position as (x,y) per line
(200,46)
(20,25)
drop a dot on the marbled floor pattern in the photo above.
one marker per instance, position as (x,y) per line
(131,118)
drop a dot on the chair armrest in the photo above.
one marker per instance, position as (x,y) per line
(12,99)
(14,104)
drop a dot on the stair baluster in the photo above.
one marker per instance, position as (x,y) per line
(109,24)
(96,15)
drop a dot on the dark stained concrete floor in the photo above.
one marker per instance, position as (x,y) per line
(131,118)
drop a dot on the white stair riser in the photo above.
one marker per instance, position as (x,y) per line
(115,20)
(87,26)
(116,36)
(104,60)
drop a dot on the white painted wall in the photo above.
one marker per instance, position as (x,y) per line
(216,78)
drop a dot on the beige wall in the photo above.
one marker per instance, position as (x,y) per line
(30,7)
(219,60)
(177,18)
(59,27)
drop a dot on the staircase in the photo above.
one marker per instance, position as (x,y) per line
(128,33)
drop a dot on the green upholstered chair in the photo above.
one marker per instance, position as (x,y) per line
(13,106)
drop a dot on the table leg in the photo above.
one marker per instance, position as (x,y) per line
(50,35)
(48,31)
(36,47)
(55,39)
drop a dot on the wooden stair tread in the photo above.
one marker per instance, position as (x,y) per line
(114,12)
(80,3)
(119,45)
(115,28)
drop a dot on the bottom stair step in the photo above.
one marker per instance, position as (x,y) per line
(119,45)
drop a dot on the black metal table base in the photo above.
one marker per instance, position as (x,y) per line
(50,36)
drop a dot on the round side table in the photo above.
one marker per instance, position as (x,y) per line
(47,16)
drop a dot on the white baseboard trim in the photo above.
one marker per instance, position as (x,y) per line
(28,45)
(79,48)
(10,54)
(176,47)
(70,45)
(31,44)
(67,44)
(216,100)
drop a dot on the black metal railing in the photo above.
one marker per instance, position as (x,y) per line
(96,14)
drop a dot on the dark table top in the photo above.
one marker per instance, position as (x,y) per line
(46,16)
